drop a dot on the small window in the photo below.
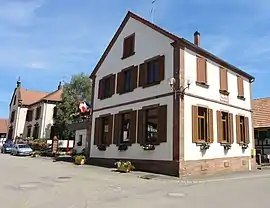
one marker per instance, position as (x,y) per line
(225,126)
(79,143)
(129,46)
(202,124)
(152,72)
(127,81)
(29,115)
(151,125)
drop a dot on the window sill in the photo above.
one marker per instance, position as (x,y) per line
(151,84)
(226,145)
(224,92)
(124,57)
(241,97)
(243,145)
(202,84)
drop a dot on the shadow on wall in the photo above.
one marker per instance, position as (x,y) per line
(48,131)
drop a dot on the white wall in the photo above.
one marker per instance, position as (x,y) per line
(20,122)
(47,120)
(82,132)
(162,151)
(148,43)
(192,152)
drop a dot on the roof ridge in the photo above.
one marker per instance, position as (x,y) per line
(264,98)
(51,93)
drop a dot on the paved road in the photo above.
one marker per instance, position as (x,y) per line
(40,183)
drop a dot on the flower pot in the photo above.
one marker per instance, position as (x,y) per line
(82,162)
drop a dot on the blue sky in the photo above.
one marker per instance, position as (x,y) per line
(46,41)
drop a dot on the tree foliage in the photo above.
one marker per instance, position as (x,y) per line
(79,88)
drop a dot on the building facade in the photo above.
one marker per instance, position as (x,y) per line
(32,112)
(167,105)
(3,130)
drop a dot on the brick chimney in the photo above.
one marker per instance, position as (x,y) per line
(60,86)
(197,38)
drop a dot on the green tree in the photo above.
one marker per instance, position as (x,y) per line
(79,88)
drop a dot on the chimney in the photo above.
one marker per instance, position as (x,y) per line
(19,83)
(197,38)
(60,86)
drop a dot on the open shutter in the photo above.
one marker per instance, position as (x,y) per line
(119,82)
(194,123)
(110,130)
(117,129)
(161,67)
(210,132)
(97,133)
(141,127)
(133,119)
(231,135)
(219,127)
(238,133)
(247,139)
(142,75)
(162,123)
(134,77)
(112,85)
(100,89)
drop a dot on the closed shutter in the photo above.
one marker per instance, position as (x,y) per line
(134,77)
(231,129)
(247,139)
(162,123)
(100,89)
(161,68)
(117,128)
(238,133)
(210,126)
(201,70)
(110,131)
(194,115)
(112,85)
(97,131)
(240,86)
(120,82)
(133,119)
(141,127)
(223,79)
(142,75)
(219,127)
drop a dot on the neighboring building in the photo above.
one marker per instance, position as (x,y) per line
(142,113)
(3,129)
(261,124)
(32,112)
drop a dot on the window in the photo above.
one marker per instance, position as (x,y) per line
(29,115)
(106,87)
(12,116)
(10,133)
(223,77)
(29,128)
(152,125)
(14,101)
(201,71)
(36,131)
(242,129)
(127,79)
(103,130)
(38,113)
(55,112)
(129,46)
(240,87)
(202,124)
(79,143)
(225,127)
(152,71)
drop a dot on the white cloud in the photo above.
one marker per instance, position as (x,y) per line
(36,65)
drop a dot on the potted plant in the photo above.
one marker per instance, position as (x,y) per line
(80,159)
(124,166)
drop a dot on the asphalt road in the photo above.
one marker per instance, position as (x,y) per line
(39,183)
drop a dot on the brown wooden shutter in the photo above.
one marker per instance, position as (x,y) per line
(210,125)
(231,132)
(161,67)
(141,127)
(110,131)
(133,118)
(142,75)
(134,77)
(100,89)
(117,128)
(162,123)
(112,85)
(223,76)
(194,123)
(238,133)
(220,138)
(97,133)
(120,82)
(247,139)
(201,70)
(240,86)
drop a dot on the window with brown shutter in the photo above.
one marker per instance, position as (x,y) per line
(242,130)
(202,125)
(152,125)
(223,77)
(201,71)
(106,87)
(224,127)
(129,46)
(103,130)
(127,80)
(38,113)
(152,71)
(240,86)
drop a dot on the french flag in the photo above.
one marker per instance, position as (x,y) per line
(84,106)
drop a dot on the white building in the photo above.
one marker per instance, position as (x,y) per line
(32,112)
(142,113)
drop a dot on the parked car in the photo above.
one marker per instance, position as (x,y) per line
(22,149)
(7,148)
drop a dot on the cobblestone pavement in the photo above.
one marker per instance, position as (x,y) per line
(39,183)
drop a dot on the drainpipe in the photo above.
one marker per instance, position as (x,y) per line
(44,119)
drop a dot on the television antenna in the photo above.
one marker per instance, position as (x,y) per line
(153,10)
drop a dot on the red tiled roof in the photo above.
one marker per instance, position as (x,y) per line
(29,97)
(261,112)
(3,125)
